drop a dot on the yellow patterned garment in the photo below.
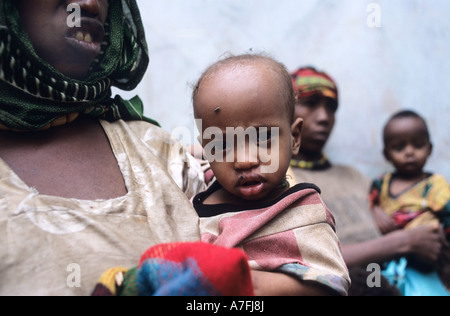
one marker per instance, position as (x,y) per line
(425,203)
(58,246)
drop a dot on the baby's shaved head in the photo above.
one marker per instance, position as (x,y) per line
(237,63)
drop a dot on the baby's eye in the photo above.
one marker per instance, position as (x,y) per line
(420,144)
(220,146)
(398,148)
(264,136)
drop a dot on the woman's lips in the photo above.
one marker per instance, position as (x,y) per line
(87,38)
(90,48)
(321,136)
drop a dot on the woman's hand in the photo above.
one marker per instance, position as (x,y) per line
(426,243)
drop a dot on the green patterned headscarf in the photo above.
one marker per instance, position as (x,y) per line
(34,96)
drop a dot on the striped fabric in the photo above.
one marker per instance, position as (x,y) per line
(308,81)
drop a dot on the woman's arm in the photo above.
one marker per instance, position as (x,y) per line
(424,242)
(279,284)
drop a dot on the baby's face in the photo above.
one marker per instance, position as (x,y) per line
(246,132)
(407,145)
(56,37)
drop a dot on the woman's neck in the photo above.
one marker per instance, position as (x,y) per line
(77,127)
(309,156)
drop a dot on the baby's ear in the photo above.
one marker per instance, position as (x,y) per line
(386,154)
(431,149)
(296,130)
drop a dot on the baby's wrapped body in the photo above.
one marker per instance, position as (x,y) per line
(425,203)
(295,234)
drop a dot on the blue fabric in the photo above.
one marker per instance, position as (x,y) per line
(159,277)
(411,282)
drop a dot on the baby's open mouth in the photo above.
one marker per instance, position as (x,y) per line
(251,183)
(250,186)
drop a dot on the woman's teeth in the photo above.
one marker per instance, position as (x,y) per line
(80,36)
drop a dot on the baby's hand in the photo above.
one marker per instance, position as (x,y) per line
(385,223)
(279,284)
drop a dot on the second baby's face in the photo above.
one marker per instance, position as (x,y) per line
(407,145)
(254,138)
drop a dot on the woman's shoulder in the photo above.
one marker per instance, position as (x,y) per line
(151,142)
(143,134)
(141,129)
(348,171)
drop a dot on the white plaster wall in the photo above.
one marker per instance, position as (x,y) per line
(404,63)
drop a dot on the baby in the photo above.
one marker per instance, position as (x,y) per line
(244,106)
(409,196)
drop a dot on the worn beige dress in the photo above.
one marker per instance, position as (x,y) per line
(58,246)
